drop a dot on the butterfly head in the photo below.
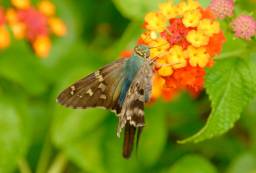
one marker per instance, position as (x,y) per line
(142,51)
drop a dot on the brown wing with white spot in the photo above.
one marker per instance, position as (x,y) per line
(133,106)
(99,89)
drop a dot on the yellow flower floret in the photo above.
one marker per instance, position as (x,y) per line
(159,47)
(47,7)
(4,38)
(42,46)
(165,71)
(209,27)
(11,16)
(189,5)
(192,18)
(21,4)
(57,26)
(149,36)
(197,38)
(197,56)
(193,4)
(176,57)
(18,29)
(155,22)
(168,10)
(160,62)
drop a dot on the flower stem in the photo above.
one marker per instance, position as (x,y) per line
(59,164)
(44,157)
(23,166)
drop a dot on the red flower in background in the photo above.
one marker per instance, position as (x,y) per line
(35,24)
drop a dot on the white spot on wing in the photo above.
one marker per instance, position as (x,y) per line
(99,76)
(102,96)
(102,86)
(73,88)
(89,92)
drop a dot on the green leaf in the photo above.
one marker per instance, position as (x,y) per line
(136,10)
(11,137)
(192,164)
(230,84)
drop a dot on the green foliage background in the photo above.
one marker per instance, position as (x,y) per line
(38,135)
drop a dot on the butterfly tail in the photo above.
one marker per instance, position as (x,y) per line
(139,131)
(129,136)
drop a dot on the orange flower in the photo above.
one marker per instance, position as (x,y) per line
(42,46)
(4,38)
(57,26)
(158,84)
(193,38)
(214,46)
(46,7)
(21,4)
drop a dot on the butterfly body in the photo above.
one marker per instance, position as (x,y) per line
(123,87)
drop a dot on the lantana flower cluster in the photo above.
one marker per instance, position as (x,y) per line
(244,26)
(36,24)
(184,38)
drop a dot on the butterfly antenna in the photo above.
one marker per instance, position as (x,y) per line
(153,47)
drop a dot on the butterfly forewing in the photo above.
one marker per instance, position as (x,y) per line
(99,89)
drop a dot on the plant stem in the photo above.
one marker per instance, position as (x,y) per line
(59,164)
(23,166)
(44,157)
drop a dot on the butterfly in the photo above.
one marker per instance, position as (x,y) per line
(123,87)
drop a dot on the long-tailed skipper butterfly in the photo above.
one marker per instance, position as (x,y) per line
(123,87)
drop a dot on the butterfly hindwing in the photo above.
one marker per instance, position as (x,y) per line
(132,114)
(99,89)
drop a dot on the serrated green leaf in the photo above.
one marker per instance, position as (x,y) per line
(136,10)
(192,164)
(230,84)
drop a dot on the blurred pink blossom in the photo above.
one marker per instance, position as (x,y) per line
(244,27)
(222,8)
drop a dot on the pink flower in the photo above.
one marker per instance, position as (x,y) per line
(244,27)
(222,8)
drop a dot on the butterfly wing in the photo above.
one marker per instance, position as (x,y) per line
(99,89)
(132,114)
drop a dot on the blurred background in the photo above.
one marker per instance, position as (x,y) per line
(38,135)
